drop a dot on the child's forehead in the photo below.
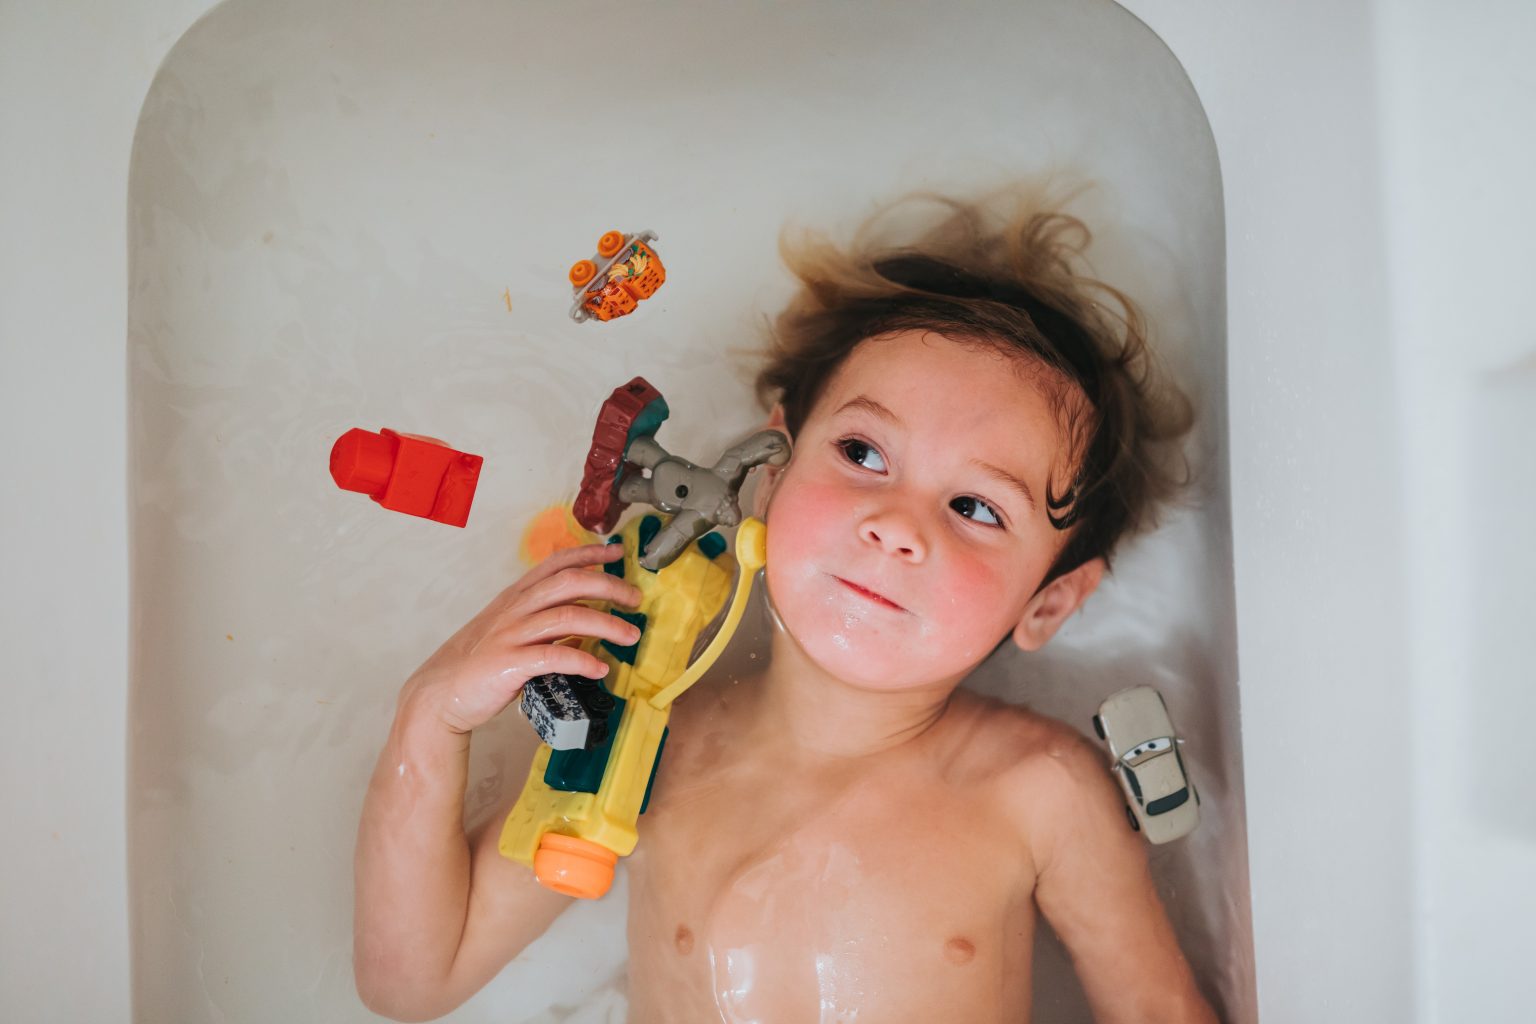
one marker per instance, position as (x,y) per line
(977,395)
(920,368)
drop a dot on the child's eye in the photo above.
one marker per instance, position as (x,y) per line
(857,451)
(966,506)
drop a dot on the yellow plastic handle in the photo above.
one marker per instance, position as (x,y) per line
(751,555)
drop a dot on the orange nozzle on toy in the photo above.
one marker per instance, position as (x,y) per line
(574,867)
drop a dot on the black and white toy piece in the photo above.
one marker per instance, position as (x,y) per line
(568,712)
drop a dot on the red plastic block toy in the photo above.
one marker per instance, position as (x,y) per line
(407,473)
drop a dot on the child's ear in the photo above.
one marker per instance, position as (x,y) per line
(1055,603)
(768,476)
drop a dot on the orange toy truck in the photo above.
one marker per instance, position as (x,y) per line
(625,270)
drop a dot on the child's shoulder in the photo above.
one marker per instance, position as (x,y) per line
(1020,738)
(1039,764)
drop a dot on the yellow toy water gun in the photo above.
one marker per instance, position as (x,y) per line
(591,778)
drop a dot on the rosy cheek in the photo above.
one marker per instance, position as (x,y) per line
(973,583)
(802,535)
(801,510)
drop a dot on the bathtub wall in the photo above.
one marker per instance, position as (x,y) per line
(1375,190)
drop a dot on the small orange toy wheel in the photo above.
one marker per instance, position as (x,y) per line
(574,867)
(610,244)
(582,271)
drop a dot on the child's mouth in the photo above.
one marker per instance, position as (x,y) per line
(870,594)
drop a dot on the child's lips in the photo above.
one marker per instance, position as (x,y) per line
(870,594)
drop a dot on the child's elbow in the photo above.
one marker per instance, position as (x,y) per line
(394,1007)
(388,995)
(380,997)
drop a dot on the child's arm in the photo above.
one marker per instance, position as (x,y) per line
(438,913)
(1093,885)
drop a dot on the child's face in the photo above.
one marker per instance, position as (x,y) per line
(903,504)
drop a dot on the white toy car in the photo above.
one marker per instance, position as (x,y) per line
(1161,802)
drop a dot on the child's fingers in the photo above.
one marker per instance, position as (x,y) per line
(571,661)
(581,556)
(566,620)
(468,706)
(573,584)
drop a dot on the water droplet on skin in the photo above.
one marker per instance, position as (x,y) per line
(734,971)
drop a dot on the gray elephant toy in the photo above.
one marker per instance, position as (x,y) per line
(698,499)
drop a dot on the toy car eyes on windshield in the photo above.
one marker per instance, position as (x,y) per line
(625,271)
(1160,801)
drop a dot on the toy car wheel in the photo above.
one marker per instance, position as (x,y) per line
(610,244)
(1130,816)
(1098,726)
(582,271)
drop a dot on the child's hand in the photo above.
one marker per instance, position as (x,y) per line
(483,666)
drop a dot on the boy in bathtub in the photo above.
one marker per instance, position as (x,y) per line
(849,835)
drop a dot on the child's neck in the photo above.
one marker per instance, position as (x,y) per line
(803,705)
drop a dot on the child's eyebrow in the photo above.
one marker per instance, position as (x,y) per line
(1006,478)
(869,405)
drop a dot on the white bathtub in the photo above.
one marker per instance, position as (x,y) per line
(1380,408)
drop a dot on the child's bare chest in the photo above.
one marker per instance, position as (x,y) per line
(780,895)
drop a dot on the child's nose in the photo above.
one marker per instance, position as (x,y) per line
(896,534)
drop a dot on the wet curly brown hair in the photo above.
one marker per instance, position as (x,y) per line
(1006,271)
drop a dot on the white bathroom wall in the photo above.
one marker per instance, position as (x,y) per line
(72,79)
(1353,136)
(1458,87)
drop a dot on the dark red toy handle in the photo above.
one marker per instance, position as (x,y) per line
(634,410)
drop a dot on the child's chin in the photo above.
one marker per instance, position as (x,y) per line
(859,653)
(863,665)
